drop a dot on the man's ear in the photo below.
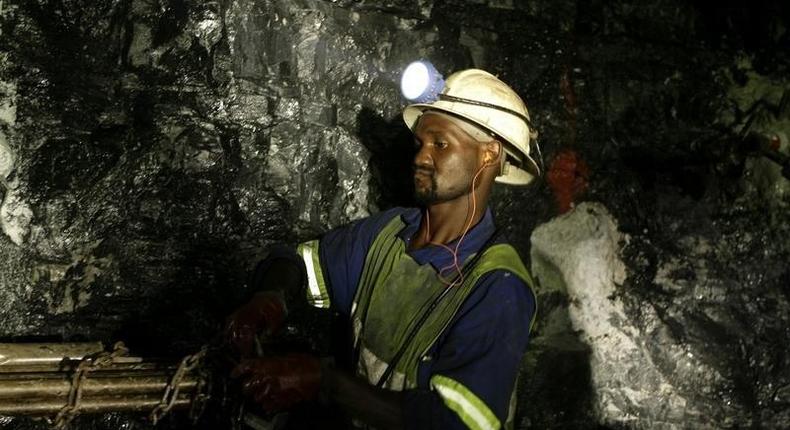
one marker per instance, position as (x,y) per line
(492,152)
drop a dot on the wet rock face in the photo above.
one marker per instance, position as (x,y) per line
(151,147)
(150,150)
(682,348)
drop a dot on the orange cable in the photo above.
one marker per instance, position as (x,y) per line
(452,252)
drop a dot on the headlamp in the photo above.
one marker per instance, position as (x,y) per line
(421,82)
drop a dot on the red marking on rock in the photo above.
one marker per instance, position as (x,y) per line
(568,178)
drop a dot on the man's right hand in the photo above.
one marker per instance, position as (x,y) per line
(278,383)
(264,312)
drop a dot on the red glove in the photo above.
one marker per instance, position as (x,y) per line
(264,311)
(278,383)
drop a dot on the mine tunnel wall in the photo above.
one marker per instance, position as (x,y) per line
(151,151)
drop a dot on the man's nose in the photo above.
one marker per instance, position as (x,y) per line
(423,157)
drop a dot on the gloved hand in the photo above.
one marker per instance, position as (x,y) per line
(278,383)
(265,311)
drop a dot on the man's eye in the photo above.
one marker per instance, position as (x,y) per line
(441,144)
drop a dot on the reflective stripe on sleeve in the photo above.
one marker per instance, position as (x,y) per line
(317,294)
(472,411)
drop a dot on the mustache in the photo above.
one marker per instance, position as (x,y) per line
(424,170)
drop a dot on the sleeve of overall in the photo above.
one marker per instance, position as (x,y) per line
(477,363)
(333,263)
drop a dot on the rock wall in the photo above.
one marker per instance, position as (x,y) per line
(150,150)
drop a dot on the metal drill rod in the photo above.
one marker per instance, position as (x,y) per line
(44,407)
(71,365)
(92,386)
(98,373)
(69,379)
(31,354)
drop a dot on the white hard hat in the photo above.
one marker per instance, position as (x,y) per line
(479,97)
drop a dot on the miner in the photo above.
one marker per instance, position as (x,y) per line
(439,305)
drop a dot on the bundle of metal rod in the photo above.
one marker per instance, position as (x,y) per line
(68,379)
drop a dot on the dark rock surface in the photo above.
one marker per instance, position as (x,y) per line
(151,149)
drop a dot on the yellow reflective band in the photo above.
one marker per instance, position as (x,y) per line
(472,411)
(317,294)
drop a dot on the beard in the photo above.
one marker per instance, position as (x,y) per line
(428,195)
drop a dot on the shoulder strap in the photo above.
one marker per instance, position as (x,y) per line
(503,256)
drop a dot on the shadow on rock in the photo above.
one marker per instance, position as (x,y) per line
(389,143)
(555,389)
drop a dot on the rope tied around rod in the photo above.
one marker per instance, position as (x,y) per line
(86,365)
(81,373)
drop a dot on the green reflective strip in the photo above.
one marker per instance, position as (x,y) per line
(472,411)
(317,294)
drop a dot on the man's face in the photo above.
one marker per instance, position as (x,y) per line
(446,161)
